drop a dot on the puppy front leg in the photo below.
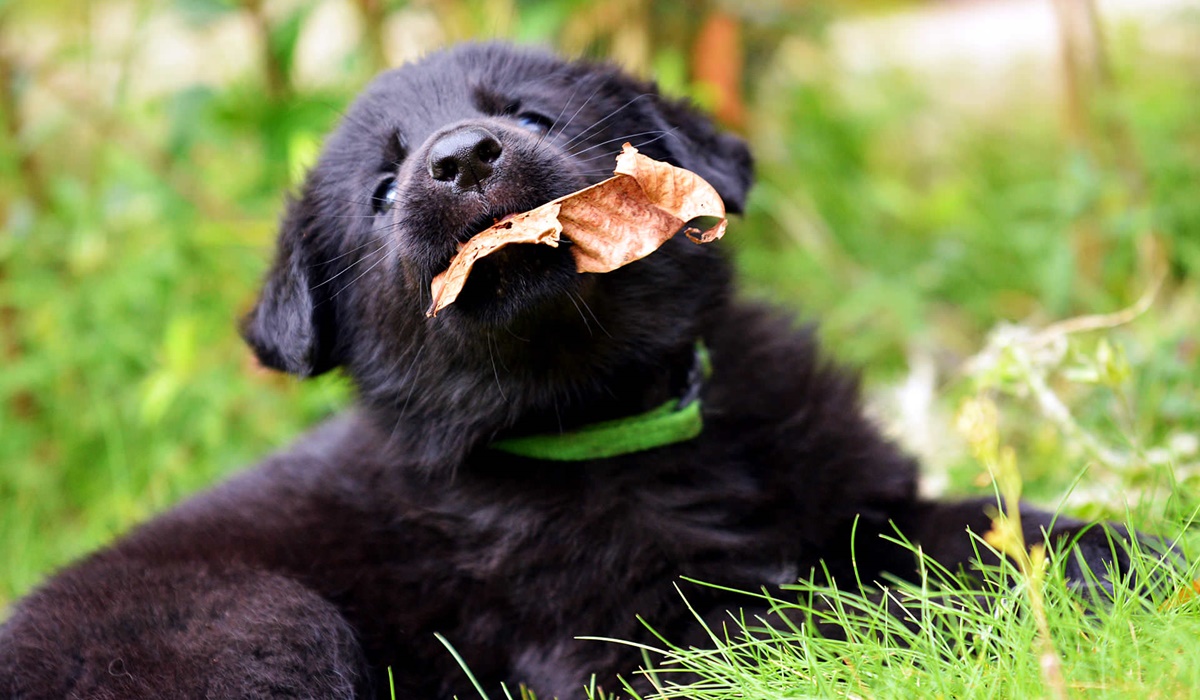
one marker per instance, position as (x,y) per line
(1087,551)
(129,629)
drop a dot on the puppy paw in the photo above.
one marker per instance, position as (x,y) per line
(1097,558)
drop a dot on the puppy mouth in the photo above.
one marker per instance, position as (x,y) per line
(489,218)
(515,279)
(486,220)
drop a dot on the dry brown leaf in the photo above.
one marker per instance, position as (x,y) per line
(611,223)
(538,225)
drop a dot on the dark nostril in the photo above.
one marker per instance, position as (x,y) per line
(464,156)
(488,150)
(443,169)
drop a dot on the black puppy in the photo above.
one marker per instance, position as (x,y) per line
(421,512)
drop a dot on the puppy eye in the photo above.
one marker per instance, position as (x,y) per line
(537,123)
(385,196)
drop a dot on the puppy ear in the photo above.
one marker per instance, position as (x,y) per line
(291,325)
(719,157)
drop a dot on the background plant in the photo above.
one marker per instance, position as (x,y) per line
(948,250)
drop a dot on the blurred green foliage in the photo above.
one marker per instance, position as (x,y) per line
(139,211)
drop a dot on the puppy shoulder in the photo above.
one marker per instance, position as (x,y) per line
(800,417)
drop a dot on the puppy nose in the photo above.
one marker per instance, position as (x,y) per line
(464,156)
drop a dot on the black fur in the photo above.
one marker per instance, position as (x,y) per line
(314,573)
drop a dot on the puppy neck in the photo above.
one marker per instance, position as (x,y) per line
(677,420)
(436,433)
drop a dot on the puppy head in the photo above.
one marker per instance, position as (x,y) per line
(431,154)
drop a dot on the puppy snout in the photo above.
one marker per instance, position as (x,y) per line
(465,156)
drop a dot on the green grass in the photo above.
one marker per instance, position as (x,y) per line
(950,641)
(941,636)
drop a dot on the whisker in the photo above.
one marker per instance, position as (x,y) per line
(351,266)
(379,231)
(593,315)
(560,113)
(596,175)
(339,257)
(627,137)
(495,372)
(635,145)
(597,124)
(412,384)
(610,156)
(353,216)
(358,203)
(576,114)
(364,272)
(509,331)
(586,325)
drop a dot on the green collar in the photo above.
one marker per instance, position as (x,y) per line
(677,420)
